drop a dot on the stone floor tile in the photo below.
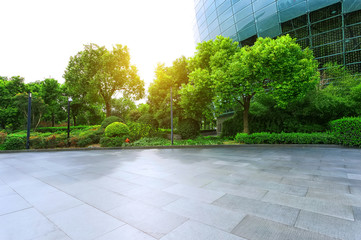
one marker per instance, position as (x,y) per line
(6,190)
(151,196)
(56,235)
(112,184)
(49,203)
(344,199)
(275,212)
(151,182)
(84,222)
(101,199)
(151,220)
(24,225)
(354,176)
(125,232)
(255,228)
(310,204)
(238,190)
(330,226)
(221,218)
(12,203)
(192,230)
(195,193)
(357,213)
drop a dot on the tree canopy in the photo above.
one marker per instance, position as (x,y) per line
(96,74)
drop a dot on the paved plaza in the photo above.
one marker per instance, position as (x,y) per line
(220,193)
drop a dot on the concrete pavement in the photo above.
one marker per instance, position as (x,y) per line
(254,193)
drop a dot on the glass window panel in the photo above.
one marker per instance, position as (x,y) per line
(200,13)
(284,4)
(272,32)
(317,4)
(235,1)
(226,5)
(204,34)
(201,19)
(219,2)
(302,32)
(351,5)
(240,5)
(259,4)
(293,12)
(210,10)
(213,26)
(326,25)
(229,32)
(266,12)
(249,41)
(328,37)
(244,23)
(247,32)
(227,14)
(353,31)
(325,13)
(352,57)
(208,3)
(337,58)
(226,24)
(292,34)
(198,5)
(243,13)
(267,23)
(354,68)
(327,50)
(215,33)
(352,18)
(212,17)
(353,44)
(202,27)
(304,42)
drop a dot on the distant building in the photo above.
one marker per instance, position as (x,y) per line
(331,28)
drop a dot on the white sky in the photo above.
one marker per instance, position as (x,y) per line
(37,37)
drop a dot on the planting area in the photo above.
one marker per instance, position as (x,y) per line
(234,192)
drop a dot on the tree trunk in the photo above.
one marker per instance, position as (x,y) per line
(246,106)
(108,109)
(52,119)
(74,120)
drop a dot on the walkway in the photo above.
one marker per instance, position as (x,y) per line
(227,193)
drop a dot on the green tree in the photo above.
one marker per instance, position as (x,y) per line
(122,107)
(96,74)
(159,91)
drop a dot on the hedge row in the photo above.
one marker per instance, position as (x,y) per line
(347,131)
(63,129)
(285,138)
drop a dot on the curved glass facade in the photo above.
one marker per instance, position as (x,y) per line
(331,28)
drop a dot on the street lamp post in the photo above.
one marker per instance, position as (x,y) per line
(171,114)
(29,122)
(69,101)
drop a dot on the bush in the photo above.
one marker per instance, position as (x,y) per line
(15,142)
(116,129)
(64,129)
(157,141)
(139,130)
(347,131)
(109,120)
(285,138)
(112,141)
(188,128)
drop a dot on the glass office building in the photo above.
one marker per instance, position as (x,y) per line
(331,28)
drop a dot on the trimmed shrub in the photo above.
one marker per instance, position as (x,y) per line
(15,142)
(285,138)
(116,129)
(347,131)
(188,128)
(37,142)
(109,120)
(64,129)
(140,130)
(112,141)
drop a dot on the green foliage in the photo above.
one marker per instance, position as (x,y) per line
(285,138)
(116,129)
(64,129)
(97,74)
(188,128)
(109,120)
(139,130)
(15,142)
(157,141)
(112,141)
(347,131)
